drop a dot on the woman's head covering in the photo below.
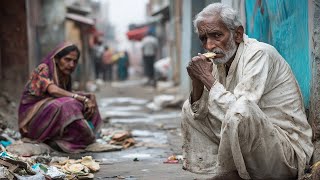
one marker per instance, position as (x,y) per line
(49,60)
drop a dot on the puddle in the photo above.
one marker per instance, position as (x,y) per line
(123,114)
(149,137)
(124,108)
(145,170)
(144,133)
(137,155)
(152,140)
(129,83)
(133,117)
(146,153)
(106,102)
(169,115)
(131,120)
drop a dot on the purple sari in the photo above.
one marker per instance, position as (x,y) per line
(58,121)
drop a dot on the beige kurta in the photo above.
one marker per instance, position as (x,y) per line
(251,120)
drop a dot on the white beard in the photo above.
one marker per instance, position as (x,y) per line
(232,48)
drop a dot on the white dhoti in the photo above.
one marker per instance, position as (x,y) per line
(246,142)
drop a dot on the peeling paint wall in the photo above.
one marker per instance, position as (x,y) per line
(284,24)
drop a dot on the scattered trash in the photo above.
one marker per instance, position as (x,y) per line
(160,102)
(140,156)
(166,101)
(80,169)
(15,165)
(173,159)
(162,68)
(118,177)
(15,135)
(118,137)
(46,159)
(49,171)
(37,176)
(5,143)
(90,163)
(5,173)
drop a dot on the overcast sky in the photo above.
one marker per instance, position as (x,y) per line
(124,12)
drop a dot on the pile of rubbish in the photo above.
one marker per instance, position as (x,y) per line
(112,140)
(118,137)
(23,159)
(46,167)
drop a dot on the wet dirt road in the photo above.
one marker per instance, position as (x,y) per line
(157,134)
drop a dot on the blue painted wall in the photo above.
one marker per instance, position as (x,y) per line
(284,24)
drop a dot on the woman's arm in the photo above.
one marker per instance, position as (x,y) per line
(87,99)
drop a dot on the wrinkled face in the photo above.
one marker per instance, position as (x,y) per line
(217,38)
(68,63)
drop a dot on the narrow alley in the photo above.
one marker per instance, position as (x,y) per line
(131,106)
(97,89)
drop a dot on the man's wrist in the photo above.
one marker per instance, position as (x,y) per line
(197,89)
(197,82)
(208,82)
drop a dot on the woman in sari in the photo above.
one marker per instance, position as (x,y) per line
(50,112)
(123,64)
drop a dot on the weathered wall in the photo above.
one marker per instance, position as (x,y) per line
(190,43)
(315,90)
(51,30)
(13,47)
(284,24)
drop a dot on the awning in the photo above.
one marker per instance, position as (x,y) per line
(79,18)
(137,34)
(163,13)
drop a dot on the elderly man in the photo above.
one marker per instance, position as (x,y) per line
(245,115)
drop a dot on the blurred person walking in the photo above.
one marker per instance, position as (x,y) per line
(107,66)
(149,51)
(98,50)
(123,65)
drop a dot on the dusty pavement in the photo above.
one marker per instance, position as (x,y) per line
(130,106)
(123,105)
